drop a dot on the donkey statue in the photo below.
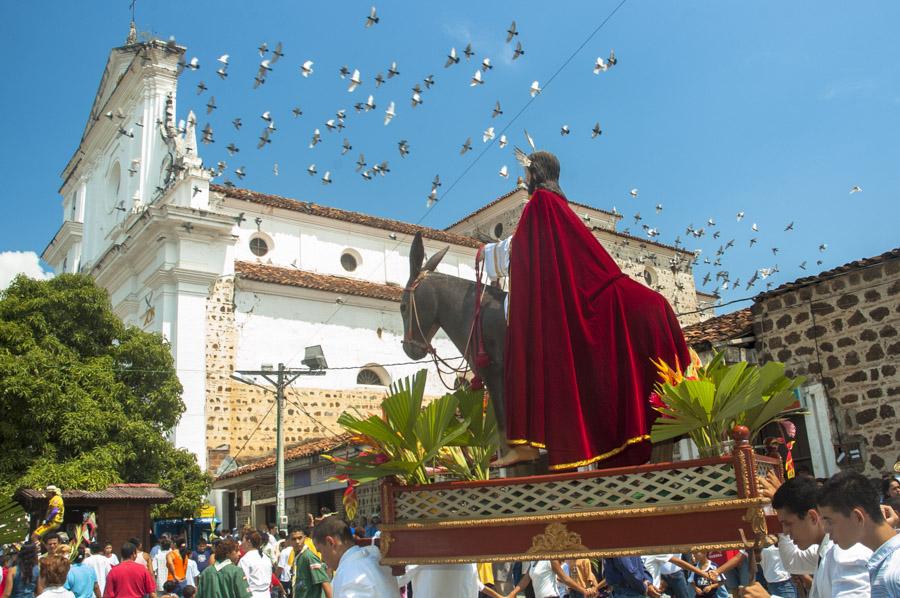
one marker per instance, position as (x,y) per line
(433,301)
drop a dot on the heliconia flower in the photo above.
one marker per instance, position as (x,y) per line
(668,374)
(349,499)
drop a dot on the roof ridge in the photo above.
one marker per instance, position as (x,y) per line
(315,209)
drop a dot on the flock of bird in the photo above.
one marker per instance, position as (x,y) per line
(722,279)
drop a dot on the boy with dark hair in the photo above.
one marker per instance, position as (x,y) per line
(849,504)
(838,573)
(358,571)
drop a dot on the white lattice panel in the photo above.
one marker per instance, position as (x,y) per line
(669,486)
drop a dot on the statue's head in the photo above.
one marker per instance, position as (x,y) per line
(542,172)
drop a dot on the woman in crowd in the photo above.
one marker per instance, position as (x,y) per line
(256,565)
(25,574)
(54,571)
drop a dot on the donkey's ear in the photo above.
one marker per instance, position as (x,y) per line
(434,260)
(416,256)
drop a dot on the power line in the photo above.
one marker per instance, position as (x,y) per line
(488,147)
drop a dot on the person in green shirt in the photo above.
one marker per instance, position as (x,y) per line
(311,578)
(224,579)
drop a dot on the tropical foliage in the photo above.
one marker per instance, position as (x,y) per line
(706,402)
(454,435)
(86,401)
(13,522)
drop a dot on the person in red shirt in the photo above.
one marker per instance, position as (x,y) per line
(129,579)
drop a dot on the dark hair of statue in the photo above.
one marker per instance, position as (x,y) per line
(544,171)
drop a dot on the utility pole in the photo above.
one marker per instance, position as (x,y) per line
(280,379)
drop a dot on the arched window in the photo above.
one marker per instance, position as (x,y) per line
(369,377)
(373,375)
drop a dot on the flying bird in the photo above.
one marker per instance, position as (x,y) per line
(518,51)
(823,247)
(241,172)
(354,81)
(201,87)
(428,81)
(502,141)
(232,149)
(263,48)
(564,130)
(393,72)
(486,65)
(263,139)
(237,124)
(452,58)
(211,104)
(316,138)
(754,227)
(432,197)
(360,163)
(311,169)
(223,59)
(344,71)
(296,111)
(535,88)
(466,146)
(194,64)
(511,32)
(275,168)
(789,227)
(855,189)
(403,146)
(497,110)
(306,69)
(659,208)
(277,53)
(740,216)
(596,131)
(504,171)
(389,114)
(326,178)
(488,134)
(633,193)
(416,99)
(476,79)
(600,66)
(346,147)
(468,51)
(379,80)
(372,19)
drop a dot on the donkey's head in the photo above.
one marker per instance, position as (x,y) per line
(419,304)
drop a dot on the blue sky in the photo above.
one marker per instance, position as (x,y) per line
(775,109)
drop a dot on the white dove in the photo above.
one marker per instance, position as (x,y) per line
(504,171)
(488,134)
(535,88)
(306,70)
(600,66)
(389,114)
(476,79)
(354,81)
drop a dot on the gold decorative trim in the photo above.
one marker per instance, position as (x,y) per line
(384,543)
(757,520)
(587,553)
(653,511)
(582,463)
(556,538)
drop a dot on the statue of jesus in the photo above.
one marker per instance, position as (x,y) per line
(580,337)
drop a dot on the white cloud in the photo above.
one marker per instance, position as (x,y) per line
(13,263)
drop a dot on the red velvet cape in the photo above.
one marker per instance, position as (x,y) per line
(580,338)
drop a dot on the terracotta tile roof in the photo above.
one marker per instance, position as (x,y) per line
(308,448)
(844,269)
(737,324)
(319,282)
(510,193)
(116,492)
(276,201)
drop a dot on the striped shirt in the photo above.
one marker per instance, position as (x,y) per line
(884,569)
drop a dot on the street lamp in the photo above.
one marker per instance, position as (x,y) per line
(281,378)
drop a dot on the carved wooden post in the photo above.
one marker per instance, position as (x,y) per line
(744,463)
(773,452)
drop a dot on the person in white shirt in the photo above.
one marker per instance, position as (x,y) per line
(284,567)
(100,564)
(838,573)
(446,581)
(112,556)
(358,573)
(542,576)
(54,569)
(191,573)
(256,566)
(777,577)
(160,562)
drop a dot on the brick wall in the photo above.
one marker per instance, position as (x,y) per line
(843,333)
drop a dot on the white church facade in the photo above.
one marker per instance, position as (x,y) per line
(234,278)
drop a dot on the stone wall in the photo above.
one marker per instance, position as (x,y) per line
(843,332)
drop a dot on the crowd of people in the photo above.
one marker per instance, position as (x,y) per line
(838,539)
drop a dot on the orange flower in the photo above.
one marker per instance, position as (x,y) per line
(667,374)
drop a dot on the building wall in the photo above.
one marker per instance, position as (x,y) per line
(843,333)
